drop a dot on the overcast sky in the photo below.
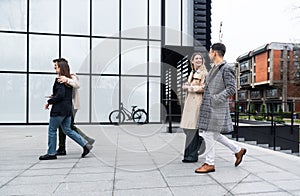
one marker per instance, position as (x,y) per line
(249,24)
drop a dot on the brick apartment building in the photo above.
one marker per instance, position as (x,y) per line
(270,73)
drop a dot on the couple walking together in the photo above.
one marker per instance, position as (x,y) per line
(207,109)
(65,103)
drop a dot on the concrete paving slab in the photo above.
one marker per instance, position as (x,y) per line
(137,160)
(254,187)
(208,190)
(144,192)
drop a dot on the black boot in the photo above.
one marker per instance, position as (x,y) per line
(86,150)
(47,157)
(61,151)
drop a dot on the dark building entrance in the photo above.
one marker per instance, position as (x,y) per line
(175,70)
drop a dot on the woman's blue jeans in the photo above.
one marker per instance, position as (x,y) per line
(65,123)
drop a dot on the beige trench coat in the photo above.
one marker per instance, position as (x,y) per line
(193,100)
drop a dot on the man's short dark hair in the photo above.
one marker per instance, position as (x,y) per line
(220,48)
(60,60)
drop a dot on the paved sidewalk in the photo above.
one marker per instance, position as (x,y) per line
(137,160)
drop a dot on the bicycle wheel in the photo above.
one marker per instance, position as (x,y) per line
(115,115)
(139,116)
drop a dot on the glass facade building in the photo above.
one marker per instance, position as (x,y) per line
(114,46)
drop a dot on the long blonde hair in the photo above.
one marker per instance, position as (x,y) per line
(202,67)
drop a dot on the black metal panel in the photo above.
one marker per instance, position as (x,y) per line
(281,136)
(202,23)
(173,62)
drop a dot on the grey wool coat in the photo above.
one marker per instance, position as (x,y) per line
(193,99)
(214,112)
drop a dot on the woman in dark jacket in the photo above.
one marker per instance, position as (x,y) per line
(60,114)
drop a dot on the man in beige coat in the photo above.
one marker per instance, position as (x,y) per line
(194,88)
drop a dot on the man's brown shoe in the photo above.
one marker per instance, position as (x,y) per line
(239,156)
(205,168)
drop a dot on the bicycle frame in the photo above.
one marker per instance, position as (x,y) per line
(127,112)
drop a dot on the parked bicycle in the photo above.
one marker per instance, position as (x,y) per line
(139,116)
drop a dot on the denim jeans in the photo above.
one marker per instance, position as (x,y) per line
(62,136)
(65,123)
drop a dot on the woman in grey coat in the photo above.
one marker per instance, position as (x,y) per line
(214,115)
(194,88)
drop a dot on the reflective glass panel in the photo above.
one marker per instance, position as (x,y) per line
(173,18)
(154,58)
(13,98)
(134,92)
(187,23)
(134,57)
(44,16)
(105,56)
(134,18)
(105,97)
(42,50)
(13,15)
(155,19)
(76,51)
(39,87)
(154,100)
(106,17)
(75,17)
(13,52)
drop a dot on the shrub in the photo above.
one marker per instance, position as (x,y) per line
(278,119)
(260,118)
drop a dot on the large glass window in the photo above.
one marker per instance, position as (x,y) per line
(155,19)
(111,70)
(134,18)
(42,50)
(77,51)
(105,55)
(154,58)
(187,23)
(245,79)
(272,93)
(75,17)
(44,16)
(154,100)
(13,52)
(134,57)
(243,95)
(244,66)
(39,87)
(105,97)
(255,94)
(173,18)
(13,98)
(13,15)
(105,17)
(134,92)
